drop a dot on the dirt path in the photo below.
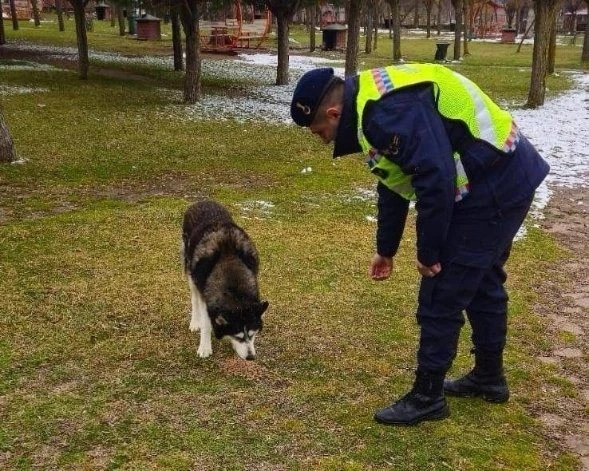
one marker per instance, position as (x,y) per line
(565,303)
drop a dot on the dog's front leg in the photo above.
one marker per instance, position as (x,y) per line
(205,349)
(196,301)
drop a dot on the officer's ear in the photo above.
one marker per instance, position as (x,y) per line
(333,112)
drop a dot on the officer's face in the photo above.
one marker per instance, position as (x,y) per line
(325,124)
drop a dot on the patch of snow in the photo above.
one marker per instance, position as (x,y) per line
(6,90)
(560,132)
(256,209)
(28,65)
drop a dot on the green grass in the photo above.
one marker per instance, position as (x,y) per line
(98,369)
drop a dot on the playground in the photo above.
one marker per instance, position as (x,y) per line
(98,366)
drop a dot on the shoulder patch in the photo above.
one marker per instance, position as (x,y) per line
(394,146)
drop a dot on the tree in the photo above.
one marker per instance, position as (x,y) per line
(585,53)
(2,33)
(369,25)
(79,7)
(457,4)
(439,19)
(396,25)
(176,39)
(429,4)
(510,12)
(552,48)
(353,15)
(7,150)
(36,16)
(189,15)
(121,19)
(311,16)
(545,12)
(59,11)
(282,11)
(572,7)
(13,15)
(466,15)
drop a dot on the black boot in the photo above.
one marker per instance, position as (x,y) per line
(486,380)
(425,401)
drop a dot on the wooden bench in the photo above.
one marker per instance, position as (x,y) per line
(244,40)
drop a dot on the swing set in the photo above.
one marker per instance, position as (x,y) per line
(235,28)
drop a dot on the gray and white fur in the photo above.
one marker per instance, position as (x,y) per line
(221,264)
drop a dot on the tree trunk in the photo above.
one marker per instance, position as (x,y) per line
(465,7)
(121,20)
(428,17)
(396,25)
(585,53)
(552,48)
(189,17)
(59,11)
(376,22)
(282,21)
(369,27)
(439,18)
(82,38)
(353,16)
(544,16)
(416,14)
(13,15)
(176,40)
(2,33)
(36,17)
(458,27)
(312,13)
(7,150)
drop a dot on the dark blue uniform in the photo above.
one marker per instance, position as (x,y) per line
(471,239)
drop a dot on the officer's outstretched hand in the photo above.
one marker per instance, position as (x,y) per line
(429,271)
(381,267)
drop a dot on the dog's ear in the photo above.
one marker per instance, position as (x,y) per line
(262,306)
(220,320)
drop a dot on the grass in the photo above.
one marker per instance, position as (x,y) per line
(97,367)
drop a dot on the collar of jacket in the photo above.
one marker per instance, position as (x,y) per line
(346,137)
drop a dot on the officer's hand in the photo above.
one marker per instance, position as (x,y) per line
(429,271)
(381,267)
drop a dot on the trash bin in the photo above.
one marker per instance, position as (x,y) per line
(441,51)
(148,27)
(132,20)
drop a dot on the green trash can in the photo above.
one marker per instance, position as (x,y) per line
(132,20)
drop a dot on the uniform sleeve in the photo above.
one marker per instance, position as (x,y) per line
(407,129)
(392,213)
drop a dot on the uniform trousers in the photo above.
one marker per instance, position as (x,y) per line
(472,281)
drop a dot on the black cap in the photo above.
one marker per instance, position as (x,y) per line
(308,94)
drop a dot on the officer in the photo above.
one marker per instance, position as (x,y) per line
(431,135)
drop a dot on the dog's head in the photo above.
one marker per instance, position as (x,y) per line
(240,326)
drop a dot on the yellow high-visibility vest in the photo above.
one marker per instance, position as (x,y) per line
(457,98)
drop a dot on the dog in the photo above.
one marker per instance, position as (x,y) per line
(221,264)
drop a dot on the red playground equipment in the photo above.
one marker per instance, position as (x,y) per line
(234,29)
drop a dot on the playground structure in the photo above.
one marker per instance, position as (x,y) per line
(235,28)
(487,18)
(24,9)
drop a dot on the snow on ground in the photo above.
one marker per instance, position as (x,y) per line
(559,129)
(27,65)
(560,132)
(10,90)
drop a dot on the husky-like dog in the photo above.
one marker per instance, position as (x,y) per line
(221,264)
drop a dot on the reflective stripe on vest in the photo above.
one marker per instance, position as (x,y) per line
(457,98)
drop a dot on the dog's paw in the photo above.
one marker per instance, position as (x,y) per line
(194,325)
(204,351)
